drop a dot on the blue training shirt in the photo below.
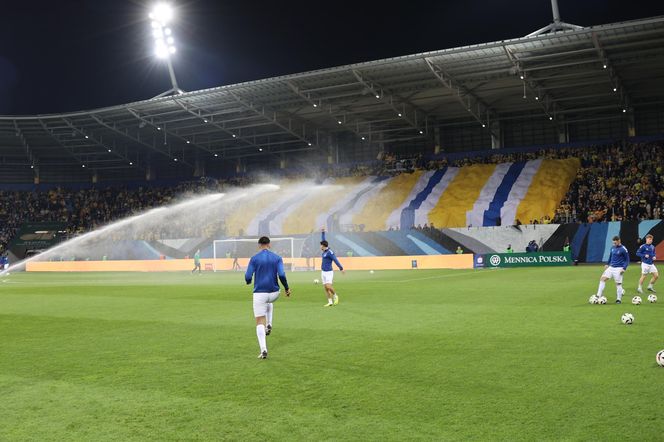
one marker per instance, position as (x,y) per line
(265,267)
(619,257)
(646,249)
(328,258)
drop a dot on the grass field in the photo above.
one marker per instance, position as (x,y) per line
(407,355)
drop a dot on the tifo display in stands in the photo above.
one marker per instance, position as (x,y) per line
(619,181)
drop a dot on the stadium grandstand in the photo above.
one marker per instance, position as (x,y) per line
(428,178)
(485,135)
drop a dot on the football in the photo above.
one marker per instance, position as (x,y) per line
(316,281)
(593,299)
(636,300)
(652,298)
(371,271)
(627,319)
(602,300)
(660,358)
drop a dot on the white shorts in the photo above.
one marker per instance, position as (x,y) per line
(648,268)
(327,277)
(614,273)
(261,300)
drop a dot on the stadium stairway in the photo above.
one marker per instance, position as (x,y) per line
(547,189)
(376,213)
(460,196)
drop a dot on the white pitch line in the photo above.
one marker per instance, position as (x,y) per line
(432,277)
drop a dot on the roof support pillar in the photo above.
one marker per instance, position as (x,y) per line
(631,125)
(563,130)
(496,134)
(199,166)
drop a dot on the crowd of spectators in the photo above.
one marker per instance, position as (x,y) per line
(616,182)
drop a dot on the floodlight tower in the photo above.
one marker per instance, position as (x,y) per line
(557,25)
(164,43)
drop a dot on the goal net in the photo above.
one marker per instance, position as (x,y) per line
(239,250)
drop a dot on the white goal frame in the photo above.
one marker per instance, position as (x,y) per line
(291,240)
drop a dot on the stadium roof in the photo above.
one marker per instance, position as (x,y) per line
(561,76)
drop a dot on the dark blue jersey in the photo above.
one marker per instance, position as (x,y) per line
(328,257)
(265,267)
(646,249)
(619,257)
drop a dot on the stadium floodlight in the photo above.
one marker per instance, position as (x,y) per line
(164,42)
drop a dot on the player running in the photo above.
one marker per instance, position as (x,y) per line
(197,261)
(618,262)
(265,267)
(327,271)
(647,254)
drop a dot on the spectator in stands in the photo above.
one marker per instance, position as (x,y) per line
(509,248)
(459,250)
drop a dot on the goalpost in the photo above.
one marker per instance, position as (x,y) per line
(288,248)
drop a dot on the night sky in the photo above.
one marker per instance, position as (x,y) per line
(71,55)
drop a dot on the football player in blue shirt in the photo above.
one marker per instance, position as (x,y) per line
(265,267)
(327,271)
(647,254)
(618,262)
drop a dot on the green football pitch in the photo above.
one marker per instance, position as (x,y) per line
(407,355)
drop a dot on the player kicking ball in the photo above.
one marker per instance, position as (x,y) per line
(618,262)
(265,267)
(327,271)
(647,254)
